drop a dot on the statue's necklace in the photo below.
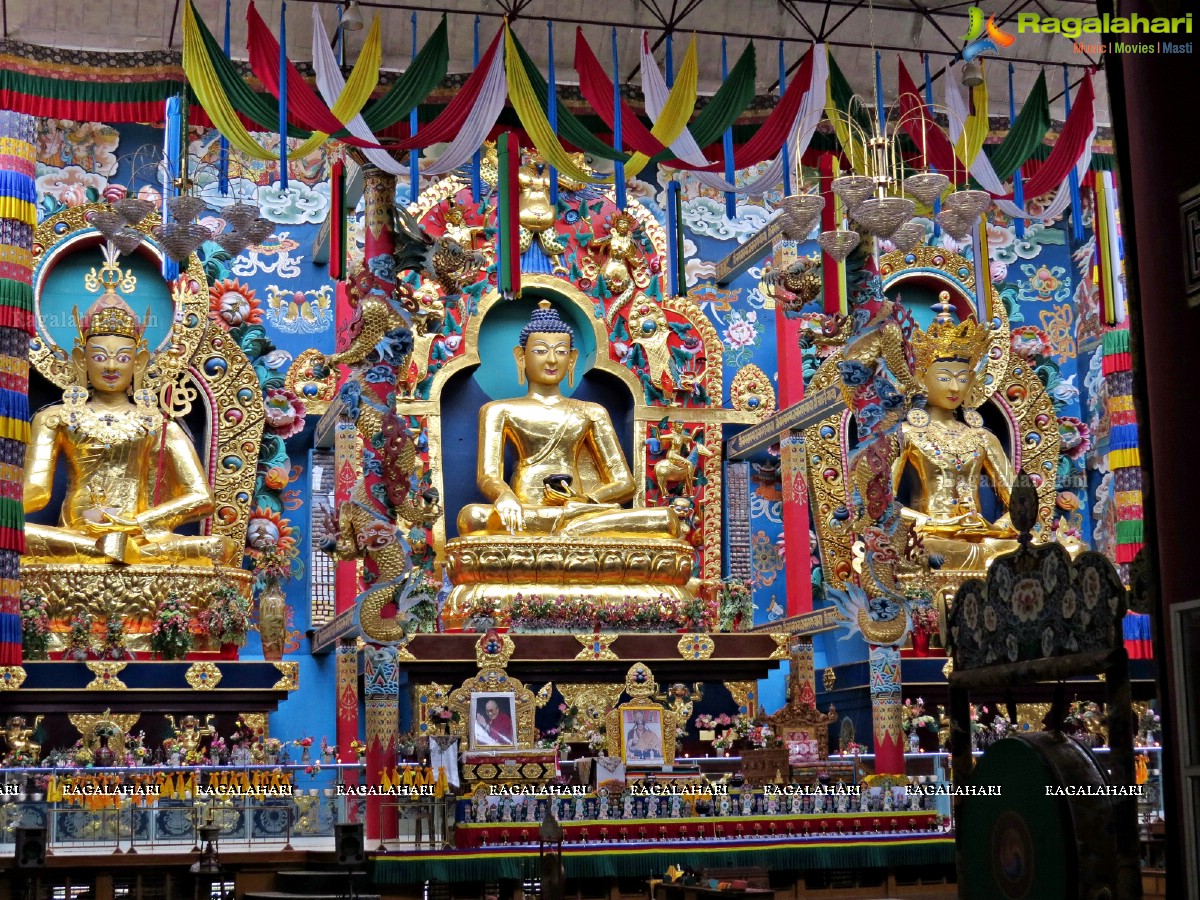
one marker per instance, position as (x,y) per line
(947,445)
(111,427)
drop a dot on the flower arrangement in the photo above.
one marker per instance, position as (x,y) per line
(218,749)
(735,604)
(914,716)
(35,626)
(80,642)
(82,755)
(924,616)
(546,612)
(227,617)
(762,737)
(441,715)
(114,639)
(171,635)
(358,748)
(424,611)
(275,564)
(854,748)
(328,750)
(272,746)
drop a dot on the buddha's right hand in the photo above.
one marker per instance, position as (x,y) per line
(510,512)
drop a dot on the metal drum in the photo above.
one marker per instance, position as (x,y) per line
(1029,842)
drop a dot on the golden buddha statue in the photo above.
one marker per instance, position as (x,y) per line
(952,456)
(570,477)
(133,474)
(558,525)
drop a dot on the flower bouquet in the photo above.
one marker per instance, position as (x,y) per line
(227,617)
(171,635)
(35,626)
(735,605)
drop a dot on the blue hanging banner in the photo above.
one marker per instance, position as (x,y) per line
(787,150)
(1076,206)
(879,108)
(477,159)
(172,141)
(619,169)
(937,204)
(675,265)
(670,60)
(1018,182)
(727,143)
(552,108)
(223,159)
(414,156)
(283,145)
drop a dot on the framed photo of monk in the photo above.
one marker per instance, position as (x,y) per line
(493,720)
(642,736)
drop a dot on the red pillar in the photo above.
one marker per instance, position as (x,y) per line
(797,568)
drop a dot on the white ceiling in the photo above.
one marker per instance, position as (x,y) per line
(895,27)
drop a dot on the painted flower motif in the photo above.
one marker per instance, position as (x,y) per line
(1030,342)
(267,528)
(1047,641)
(999,271)
(285,412)
(231,303)
(990,619)
(1076,440)
(742,331)
(571,216)
(1043,281)
(1070,604)
(276,478)
(150,193)
(453,342)
(1011,647)
(1001,576)
(1050,572)
(1068,501)
(1028,599)
(971,610)
(114,192)
(1091,588)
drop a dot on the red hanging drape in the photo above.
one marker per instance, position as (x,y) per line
(305,109)
(1076,134)
(925,132)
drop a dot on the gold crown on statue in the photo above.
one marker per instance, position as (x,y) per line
(966,340)
(110,314)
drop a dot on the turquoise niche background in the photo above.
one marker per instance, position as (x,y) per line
(500,331)
(62,289)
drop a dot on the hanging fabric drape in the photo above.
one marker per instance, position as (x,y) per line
(427,71)
(717,116)
(934,148)
(596,88)
(304,107)
(1025,133)
(839,107)
(976,126)
(1075,140)
(810,81)
(989,180)
(481,101)
(206,83)
(531,110)
(569,126)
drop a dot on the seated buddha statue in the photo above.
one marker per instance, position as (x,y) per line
(570,477)
(952,455)
(133,475)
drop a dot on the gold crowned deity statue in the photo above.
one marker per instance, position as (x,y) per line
(133,475)
(952,455)
(570,477)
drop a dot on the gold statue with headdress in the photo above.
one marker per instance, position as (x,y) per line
(133,474)
(952,456)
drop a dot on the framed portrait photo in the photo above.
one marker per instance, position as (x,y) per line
(642,736)
(493,724)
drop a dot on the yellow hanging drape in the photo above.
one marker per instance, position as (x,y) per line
(533,117)
(975,129)
(676,112)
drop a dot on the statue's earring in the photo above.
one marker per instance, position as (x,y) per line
(519,356)
(571,376)
(973,418)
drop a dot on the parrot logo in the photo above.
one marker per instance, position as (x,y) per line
(981,38)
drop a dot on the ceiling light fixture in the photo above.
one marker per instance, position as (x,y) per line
(352,17)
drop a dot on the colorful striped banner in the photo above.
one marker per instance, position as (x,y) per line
(18,217)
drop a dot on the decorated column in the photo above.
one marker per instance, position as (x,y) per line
(18,217)
(347,702)
(886,726)
(381,680)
